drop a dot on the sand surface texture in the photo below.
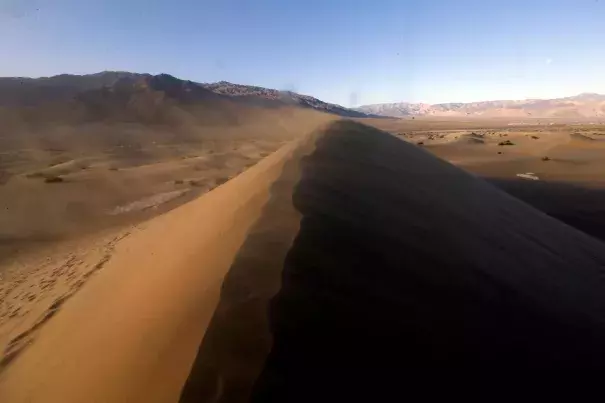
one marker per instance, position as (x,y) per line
(347,266)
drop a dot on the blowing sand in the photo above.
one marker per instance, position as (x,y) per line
(346,266)
(61,182)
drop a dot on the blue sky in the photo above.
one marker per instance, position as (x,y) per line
(348,52)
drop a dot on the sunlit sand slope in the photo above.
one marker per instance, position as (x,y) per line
(345,266)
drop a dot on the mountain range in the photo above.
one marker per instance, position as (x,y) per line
(126,96)
(114,95)
(586,105)
(287,97)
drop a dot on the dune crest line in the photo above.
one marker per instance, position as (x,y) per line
(354,264)
(132,332)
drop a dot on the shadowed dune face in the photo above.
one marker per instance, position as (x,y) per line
(348,266)
(238,338)
(426,272)
(405,273)
(578,206)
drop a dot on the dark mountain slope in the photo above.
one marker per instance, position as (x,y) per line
(34,92)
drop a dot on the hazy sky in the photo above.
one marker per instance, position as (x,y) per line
(347,52)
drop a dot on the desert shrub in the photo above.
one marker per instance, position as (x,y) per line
(53,179)
(506,143)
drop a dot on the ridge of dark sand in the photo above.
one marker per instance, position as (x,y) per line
(575,204)
(408,275)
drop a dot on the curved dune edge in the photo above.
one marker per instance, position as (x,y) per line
(131,334)
(406,275)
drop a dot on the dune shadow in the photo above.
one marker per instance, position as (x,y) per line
(580,207)
(406,279)
(238,339)
(409,280)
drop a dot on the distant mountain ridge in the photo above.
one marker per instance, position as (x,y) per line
(30,92)
(108,97)
(25,91)
(288,97)
(584,105)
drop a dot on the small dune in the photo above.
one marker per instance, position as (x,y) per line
(64,168)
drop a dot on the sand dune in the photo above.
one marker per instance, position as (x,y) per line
(139,322)
(384,270)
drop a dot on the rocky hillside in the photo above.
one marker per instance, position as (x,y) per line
(117,97)
(110,87)
(585,105)
(287,97)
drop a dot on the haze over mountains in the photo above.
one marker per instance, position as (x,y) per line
(96,95)
(288,97)
(586,105)
(114,138)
